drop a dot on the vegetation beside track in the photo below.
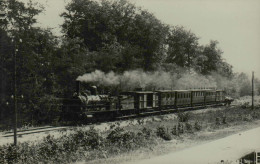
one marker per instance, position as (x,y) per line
(148,135)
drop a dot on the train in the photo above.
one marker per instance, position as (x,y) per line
(88,106)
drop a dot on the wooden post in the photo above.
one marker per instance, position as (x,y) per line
(15,99)
(253,90)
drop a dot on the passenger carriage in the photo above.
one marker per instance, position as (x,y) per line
(210,96)
(132,103)
(183,98)
(198,97)
(166,98)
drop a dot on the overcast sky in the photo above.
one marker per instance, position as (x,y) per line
(234,23)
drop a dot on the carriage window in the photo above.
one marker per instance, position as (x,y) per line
(173,95)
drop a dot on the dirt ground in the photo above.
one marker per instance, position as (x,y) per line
(228,149)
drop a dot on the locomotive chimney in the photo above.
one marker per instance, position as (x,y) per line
(93,90)
(78,87)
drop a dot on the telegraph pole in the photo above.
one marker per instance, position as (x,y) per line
(253,90)
(3,15)
(15,99)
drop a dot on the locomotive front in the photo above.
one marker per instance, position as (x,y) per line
(85,102)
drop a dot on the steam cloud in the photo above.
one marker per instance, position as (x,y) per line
(148,80)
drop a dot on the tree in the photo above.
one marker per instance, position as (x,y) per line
(35,49)
(70,61)
(117,23)
(183,47)
(211,56)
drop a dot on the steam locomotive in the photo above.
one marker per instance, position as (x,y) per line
(89,106)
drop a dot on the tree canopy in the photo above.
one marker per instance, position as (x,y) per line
(107,35)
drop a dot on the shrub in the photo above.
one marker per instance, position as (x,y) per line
(162,132)
(147,132)
(224,120)
(217,120)
(248,118)
(121,138)
(175,130)
(90,139)
(180,128)
(188,127)
(245,105)
(8,154)
(49,147)
(184,116)
(197,126)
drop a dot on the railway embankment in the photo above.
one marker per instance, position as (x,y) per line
(135,139)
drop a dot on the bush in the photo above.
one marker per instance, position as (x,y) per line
(121,138)
(8,154)
(90,139)
(248,117)
(188,127)
(162,132)
(180,128)
(175,130)
(197,126)
(224,120)
(217,120)
(147,132)
(245,105)
(184,116)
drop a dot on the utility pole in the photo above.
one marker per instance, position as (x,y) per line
(15,98)
(253,90)
(3,15)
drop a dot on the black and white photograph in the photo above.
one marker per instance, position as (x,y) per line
(129,81)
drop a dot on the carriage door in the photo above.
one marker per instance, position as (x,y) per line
(149,100)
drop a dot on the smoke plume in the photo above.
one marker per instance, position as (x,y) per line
(148,80)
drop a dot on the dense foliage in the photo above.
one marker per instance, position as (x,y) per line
(108,36)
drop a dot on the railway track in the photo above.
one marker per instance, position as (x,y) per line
(149,113)
(32,131)
(166,111)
